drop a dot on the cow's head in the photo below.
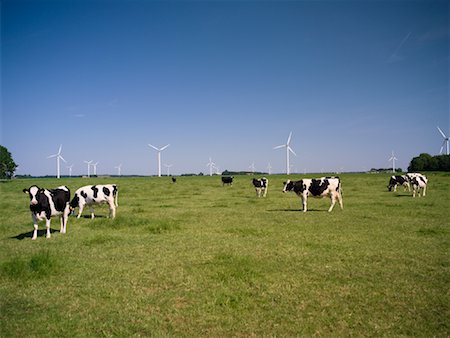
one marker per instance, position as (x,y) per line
(34,192)
(288,186)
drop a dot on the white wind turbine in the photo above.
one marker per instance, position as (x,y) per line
(211,165)
(70,170)
(168,166)
(159,156)
(89,167)
(252,167)
(288,149)
(269,168)
(446,139)
(95,168)
(58,157)
(119,168)
(393,159)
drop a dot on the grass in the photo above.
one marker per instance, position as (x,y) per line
(198,259)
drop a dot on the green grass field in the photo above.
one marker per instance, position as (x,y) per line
(197,259)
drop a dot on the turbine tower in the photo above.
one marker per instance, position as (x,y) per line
(159,156)
(119,168)
(269,168)
(288,150)
(168,166)
(95,168)
(89,167)
(252,167)
(393,159)
(58,157)
(446,139)
(211,165)
(70,170)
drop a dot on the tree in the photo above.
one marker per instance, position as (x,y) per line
(7,165)
(426,162)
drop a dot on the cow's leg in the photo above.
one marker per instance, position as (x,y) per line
(47,225)
(35,225)
(91,208)
(63,229)
(341,204)
(112,209)
(265,192)
(395,188)
(424,189)
(80,209)
(304,203)
(414,191)
(333,202)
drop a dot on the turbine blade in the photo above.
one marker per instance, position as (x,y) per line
(54,155)
(164,147)
(442,147)
(153,147)
(62,158)
(59,151)
(289,138)
(442,133)
(278,147)
(292,151)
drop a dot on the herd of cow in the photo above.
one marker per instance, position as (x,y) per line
(46,203)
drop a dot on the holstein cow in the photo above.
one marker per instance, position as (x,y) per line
(227,180)
(396,180)
(418,181)
(95,194)
(320,187)
(261,186)
(45,203)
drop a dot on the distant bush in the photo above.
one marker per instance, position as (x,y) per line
(426,162)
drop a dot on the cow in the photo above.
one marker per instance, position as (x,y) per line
(316,187)
(45,203)
(174,180)
(261,185)
(396,180)
(227,180)
(95,194)
(417,181)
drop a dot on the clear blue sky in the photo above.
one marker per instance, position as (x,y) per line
(353,80)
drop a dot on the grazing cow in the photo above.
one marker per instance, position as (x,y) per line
(418,181)
(396,180)
(227,180)
(320,187)
(174,180)
(261,186)
(45,203)
(95,194)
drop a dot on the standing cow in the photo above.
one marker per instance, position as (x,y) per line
(227,180)
(320,187)
(261,186)
(45,203)
(95,194)
(418,181)
(397,180)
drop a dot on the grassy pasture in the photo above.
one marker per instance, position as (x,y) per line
(198,259)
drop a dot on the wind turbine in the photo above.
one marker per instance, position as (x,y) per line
(119,167)
(288,149)
(70,170)
(446,139)
(393,159)
(210,164)
(168,166)
(95,168)
(269,168)
(252,167)
(58,157)
(159,156)
(89,167)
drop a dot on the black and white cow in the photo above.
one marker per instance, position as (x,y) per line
(261,186)
(45,203)
(227,180)
(418,181)
(397,180)
(95,194)
(320,187)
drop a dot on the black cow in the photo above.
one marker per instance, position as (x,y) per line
(320,187)
(396,180)
(45,203)
(261,186)
(174,180)
(227,180)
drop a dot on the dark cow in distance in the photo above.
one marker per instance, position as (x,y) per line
(261,186)
(45,203)
(95,194)
(227,180)
(397,180)
(174,180)
(320,187)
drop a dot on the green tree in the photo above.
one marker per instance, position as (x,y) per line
(7,165)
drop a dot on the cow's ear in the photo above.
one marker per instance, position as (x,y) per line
(41,190)
(25,191)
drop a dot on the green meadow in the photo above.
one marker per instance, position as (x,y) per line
(196,259)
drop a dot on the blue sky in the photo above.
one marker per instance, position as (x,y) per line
(352,80)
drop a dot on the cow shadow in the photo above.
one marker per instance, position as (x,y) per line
(89,216)
(296,210)
(42,232)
